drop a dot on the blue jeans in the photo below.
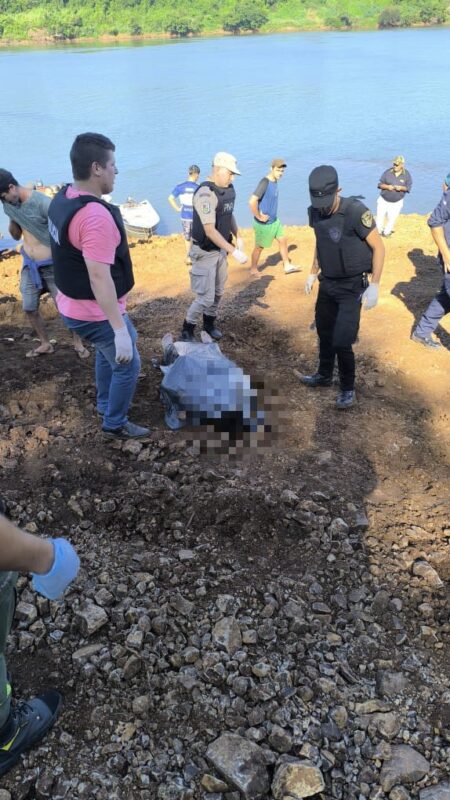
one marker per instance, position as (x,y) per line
(116,383)
(437,309)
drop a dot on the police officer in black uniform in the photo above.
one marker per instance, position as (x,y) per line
(213,228)
(348,249)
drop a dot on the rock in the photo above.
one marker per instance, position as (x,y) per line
(340,715)
(241,763)
(399,793)
(390,684)
(26,612)
(296,780)
(227,634)
(388,724)
(428,574)
(280,740)
(92,619)
(5,795)
(441,791)
(405,765)
(84,653)
(213,784)
(141,705)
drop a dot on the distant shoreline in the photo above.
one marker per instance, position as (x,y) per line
(125,38)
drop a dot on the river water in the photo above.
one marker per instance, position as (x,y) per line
(351,99)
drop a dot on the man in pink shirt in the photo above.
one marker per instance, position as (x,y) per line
(93,273)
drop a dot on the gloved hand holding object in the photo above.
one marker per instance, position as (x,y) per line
(370,296)
(64,569)
(123,345)
(310,281)
(239,256)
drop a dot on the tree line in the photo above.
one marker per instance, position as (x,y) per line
(70,19)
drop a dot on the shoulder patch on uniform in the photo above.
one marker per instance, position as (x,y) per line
(206,206)
(367,219)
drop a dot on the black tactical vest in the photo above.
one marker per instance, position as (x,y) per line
(71,275)
(224,213)
(340,251)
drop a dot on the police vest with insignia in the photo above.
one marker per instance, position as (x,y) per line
(71,275)
(225,204)
(341,253)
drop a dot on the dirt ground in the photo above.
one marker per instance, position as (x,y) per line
(388,455)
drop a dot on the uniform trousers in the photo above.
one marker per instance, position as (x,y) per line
(438,308)
(338,311)
(7,608)
(388,211)
(209,273)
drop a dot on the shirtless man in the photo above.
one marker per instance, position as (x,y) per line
(27,210)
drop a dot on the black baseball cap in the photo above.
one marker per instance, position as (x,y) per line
(323,185)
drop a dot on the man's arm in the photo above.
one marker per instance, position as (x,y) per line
(174,203)
(253,203)
(375,242)
(104,291)
(438,235)
(15,230)
(23,552)
(217,238)
(312,277)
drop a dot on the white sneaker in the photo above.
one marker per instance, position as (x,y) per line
(291,268)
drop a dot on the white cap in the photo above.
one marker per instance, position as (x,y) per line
(226,160)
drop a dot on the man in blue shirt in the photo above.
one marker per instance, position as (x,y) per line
(185,193)
(394,183)
(439,223)
(264,207)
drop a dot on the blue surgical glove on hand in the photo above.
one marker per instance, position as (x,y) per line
(370,296)
(65,568)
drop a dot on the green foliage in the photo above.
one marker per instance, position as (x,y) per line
(245,16)
(182,26)
(68,19)
(390,18)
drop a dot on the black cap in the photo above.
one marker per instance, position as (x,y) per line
(323,185)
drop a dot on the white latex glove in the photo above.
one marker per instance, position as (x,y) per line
(370,297)
(310,281)
(239,243)
(239,256)
(123,345)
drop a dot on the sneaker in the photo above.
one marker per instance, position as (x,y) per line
(427,341)
(26,725)
(345,399)
(291,268)
(127,431)
(315,380)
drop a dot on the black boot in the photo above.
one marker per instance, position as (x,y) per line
(210,327)
(187,333)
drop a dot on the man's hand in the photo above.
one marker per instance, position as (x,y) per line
(239,256)
(123,345)
(370,297)
(263,217)
(447,266)
(310,281)
(64,569)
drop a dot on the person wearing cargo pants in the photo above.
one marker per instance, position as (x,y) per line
(213,227)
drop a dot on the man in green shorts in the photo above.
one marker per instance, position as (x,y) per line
(264,207)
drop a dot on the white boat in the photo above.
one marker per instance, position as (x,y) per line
(140,218)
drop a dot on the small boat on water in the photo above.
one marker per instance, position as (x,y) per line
(139,217)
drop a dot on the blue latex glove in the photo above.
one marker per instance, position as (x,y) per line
(65,568)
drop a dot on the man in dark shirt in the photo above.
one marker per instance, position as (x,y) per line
(439,223)
(394,184)
(264,207)
(348,247)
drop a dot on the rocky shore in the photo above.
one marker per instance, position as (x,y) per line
(272,628)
